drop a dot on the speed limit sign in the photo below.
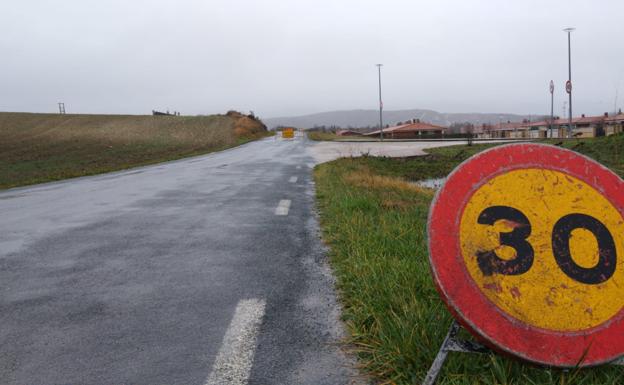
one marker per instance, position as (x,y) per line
(526,248)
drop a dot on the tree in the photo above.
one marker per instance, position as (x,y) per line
(470,133)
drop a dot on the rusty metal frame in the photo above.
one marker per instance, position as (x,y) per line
(453,344)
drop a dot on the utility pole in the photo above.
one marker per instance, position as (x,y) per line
(552,99)
(569,83)
(380,102)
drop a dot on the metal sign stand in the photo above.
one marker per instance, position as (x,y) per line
(453,344)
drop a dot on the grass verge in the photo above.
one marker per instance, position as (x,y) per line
(37,148)
(374,220)
(320,136)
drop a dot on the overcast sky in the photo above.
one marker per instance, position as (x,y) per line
(291,57)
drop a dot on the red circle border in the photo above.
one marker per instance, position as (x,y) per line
(469,305)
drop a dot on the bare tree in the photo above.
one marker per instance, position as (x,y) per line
(469,129)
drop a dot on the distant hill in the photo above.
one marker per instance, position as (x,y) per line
(370,118)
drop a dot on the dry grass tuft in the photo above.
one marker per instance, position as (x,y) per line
(320,136)
(365,178)
(395,204)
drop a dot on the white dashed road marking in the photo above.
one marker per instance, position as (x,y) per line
(283,207)
(298,167)
(293,179)
(233,363)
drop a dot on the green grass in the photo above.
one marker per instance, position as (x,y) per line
(37,148)
(607,150)
(331,137)
(375,222)
(320,136)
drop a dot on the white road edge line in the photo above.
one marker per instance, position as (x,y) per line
(293,179)
(235,358)
(283,207)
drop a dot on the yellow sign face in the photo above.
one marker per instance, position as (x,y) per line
(288,133)
(546,248)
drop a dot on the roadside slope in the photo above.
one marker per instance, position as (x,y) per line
(37,148)
(374,219)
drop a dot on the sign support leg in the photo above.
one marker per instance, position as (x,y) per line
(436,366)
(451,344)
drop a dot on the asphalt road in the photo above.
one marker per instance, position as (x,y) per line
(207,270)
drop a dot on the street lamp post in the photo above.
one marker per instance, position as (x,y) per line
(380,102)
(569,83)
(552,99)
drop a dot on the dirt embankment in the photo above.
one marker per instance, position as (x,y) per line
(246,125)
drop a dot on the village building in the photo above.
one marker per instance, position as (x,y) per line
(540,130)
(508,130)
(412,130)
(582,127)
(614,124)
(348,133)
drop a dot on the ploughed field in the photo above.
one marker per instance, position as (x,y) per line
(38,148)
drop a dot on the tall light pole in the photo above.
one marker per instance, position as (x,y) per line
(552,99)
(380,102)
(569,83)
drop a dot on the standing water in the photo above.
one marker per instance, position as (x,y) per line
(434,183)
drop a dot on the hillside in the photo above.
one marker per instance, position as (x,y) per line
(42,147)
(364,118)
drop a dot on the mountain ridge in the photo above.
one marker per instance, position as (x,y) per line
(360,118)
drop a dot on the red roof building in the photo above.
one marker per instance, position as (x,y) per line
(614,124)
(582,127)
(413,130)
(348,133)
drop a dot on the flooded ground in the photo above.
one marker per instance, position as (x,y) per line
(326,151)
(434,183)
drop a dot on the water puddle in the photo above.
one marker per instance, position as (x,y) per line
(434,183)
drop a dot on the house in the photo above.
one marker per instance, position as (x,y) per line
(502,130)
(412,130)
(543,129)
(536,130)
(348,133)
(614,124)
(584,126)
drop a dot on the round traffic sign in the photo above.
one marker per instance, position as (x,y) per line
(552,87)
(526,246)
(568,86)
